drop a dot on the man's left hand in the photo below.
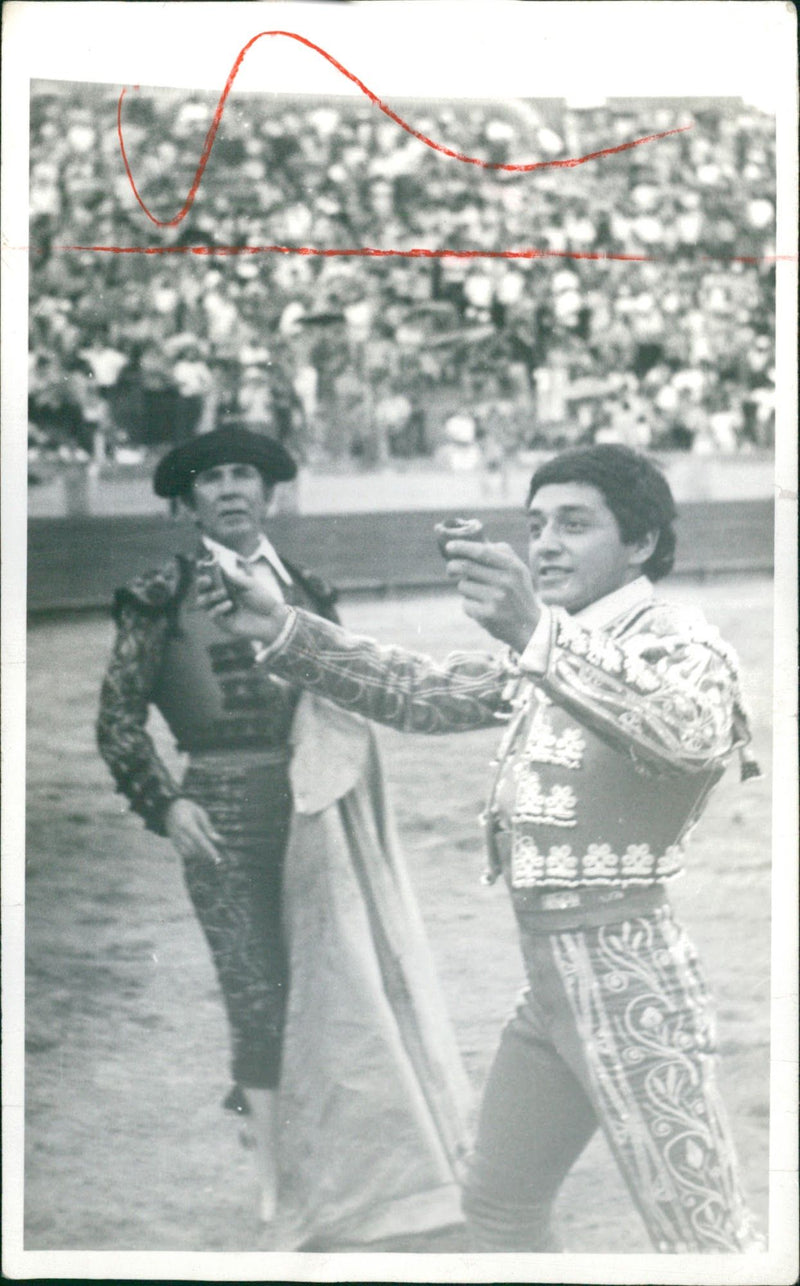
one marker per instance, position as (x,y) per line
(497,589)
(243,601)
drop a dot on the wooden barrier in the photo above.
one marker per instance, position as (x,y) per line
(75,563)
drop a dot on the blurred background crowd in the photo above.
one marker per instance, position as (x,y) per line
(365,359)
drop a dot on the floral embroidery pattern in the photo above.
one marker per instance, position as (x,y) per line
(532,868)
(145,612)
(555,807)
(656,685)
(600,862)
(238,904)
(643,1013)
(527,863)
(543,746)
(669,686)
(637,860)
(122,734)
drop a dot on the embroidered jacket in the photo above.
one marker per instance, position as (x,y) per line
(620,720)
(206,684)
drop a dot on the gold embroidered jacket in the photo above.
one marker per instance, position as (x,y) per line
(620,720)
(205,684)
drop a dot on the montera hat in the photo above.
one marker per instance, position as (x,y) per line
(177,470)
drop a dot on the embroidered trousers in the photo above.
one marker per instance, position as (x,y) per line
(615,1029)
(238,903)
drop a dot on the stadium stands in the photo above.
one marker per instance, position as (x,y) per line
(369,359)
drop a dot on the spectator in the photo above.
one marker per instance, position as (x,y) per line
(355,179)
(192,382)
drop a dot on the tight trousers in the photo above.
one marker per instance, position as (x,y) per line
(614,1029)
(238,902)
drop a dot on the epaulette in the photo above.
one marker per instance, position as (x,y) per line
(157,590)
(691,624)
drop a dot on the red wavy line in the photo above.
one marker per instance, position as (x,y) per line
(567,162)
(418,252)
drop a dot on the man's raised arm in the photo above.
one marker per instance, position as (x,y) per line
(403,689)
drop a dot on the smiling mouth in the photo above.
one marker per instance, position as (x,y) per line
(553,573)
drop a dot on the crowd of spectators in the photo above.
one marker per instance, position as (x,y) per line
(471,359)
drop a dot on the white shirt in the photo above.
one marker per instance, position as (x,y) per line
(229,560)
(595,616)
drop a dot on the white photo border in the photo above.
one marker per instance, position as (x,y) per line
(442,48)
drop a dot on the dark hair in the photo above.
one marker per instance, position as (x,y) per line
(635,490)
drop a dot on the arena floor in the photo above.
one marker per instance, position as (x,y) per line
(127,1147)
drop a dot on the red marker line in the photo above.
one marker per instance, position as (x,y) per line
(418,252)
(527,168)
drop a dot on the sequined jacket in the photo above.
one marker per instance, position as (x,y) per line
(619,723)
(213,701)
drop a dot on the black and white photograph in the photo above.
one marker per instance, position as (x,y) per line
(399,739)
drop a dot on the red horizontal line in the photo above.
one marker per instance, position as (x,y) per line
(417,252)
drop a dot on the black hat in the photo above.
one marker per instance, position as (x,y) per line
(177,470)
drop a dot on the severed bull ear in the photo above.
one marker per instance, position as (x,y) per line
(213,591)
(458,529)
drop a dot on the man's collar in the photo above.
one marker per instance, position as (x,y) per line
(227,557)
(600,613)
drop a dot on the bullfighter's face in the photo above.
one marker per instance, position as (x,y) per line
(576,552)
(229,503)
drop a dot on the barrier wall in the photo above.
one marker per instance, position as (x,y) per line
(111,491)
(75,563)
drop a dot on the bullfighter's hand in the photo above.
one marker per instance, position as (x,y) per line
(243,602)
(497,589)
(192,832)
